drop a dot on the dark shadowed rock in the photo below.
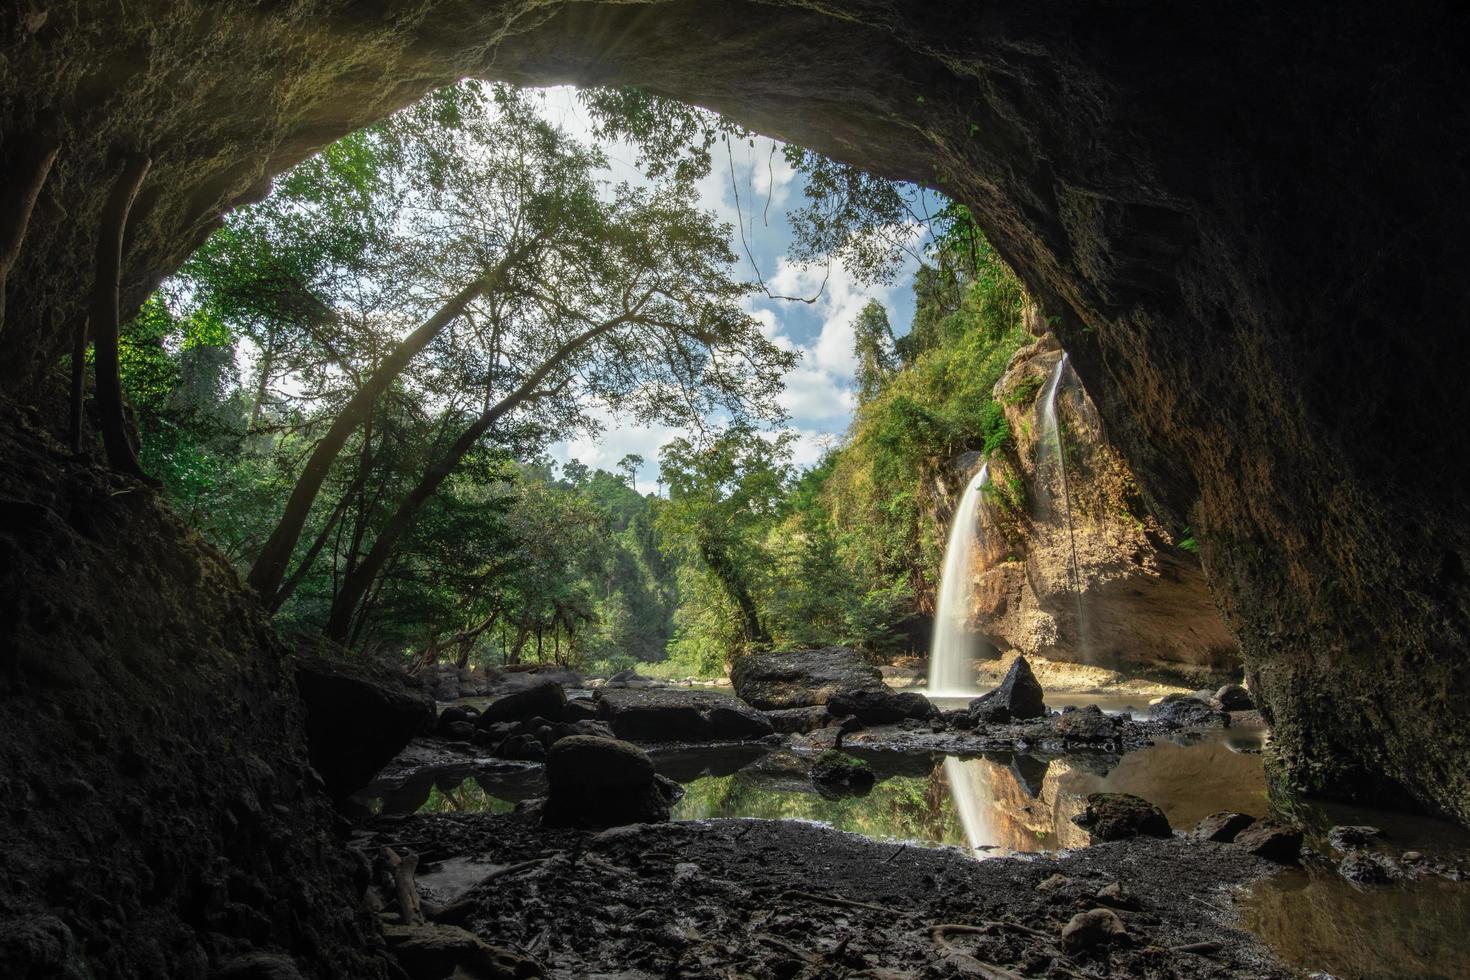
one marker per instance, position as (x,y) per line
(1233,697)
(674,715)
(798,721)
(1349,837)
(359,714)
(1222,827)
(1118,816)
(879,706)
(579,709)
(432,952)
(1018,697)
(544,699)
(1272,841)
(1089,724)
(1093,929)
(601,782)
(455,715)
(1188,711)
(838,773)
(630,678)
(800,678)
(1030,773)
(258,966)
(1365,868)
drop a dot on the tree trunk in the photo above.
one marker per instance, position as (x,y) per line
(75,422)
(361,578)
(268,570)
(121,455)
(735,587)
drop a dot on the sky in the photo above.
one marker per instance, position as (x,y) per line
(819,390)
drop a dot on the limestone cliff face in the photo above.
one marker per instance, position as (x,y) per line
(1250,242)
(1073,566)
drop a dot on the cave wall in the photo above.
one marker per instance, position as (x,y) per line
(160,818)
(1243,218)
(1144,606)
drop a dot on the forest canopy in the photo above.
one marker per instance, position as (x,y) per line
(353,387)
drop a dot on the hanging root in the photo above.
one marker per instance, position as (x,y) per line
(115,438)
(23,186)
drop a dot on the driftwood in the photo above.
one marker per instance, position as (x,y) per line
(19,200)
(121,455)
(410,911)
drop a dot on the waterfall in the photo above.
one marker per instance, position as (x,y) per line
(1051,436)
(952,652)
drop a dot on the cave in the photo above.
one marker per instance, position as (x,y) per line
(1240,221)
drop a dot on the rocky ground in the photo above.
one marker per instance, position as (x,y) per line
(756,898)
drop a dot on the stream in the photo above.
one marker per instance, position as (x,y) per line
(1003,803)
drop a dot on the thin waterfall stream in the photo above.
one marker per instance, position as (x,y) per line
(952,653)
(1051,434)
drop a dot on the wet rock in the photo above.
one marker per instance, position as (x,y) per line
(579,709)
(1365,868)
(600,782)
(798,721)
(1272,841)
(879,707)
(259,966)
(1089,724)
(1222,827)
(801,678)
(1188,711)
(524,746)
(433,952)
(1030,773)
(359,715)
(630,678)
(1018,697)
(545,699)
(1233,697)
(1346,838)
(456,714)
(587,726)
(459,731)
(840,773)
(1094,929)
(671,715)
(1114,895)
(1118,816)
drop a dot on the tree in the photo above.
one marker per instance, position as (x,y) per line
(723,495)
(873,347)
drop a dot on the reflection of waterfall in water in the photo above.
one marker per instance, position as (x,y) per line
(952,652)
(1049,440)
(973,801)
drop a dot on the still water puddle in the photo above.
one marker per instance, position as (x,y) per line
(996,803)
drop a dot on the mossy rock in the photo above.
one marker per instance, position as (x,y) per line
(840,774)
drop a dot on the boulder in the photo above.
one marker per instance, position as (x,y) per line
(579,709)
(601,782)
(801,678)
(630,678)
(1119,816)
(1018,697)
(1222,827)
(1233,697)
(544,699)
(359,714)
(1365,868)
(1188,711)
(672,715)
(1093,929)
(453,716)
(838,773)
(1272,841)
(1089,724)
(799,721)
(1347,838)
(879,706)
(432,952)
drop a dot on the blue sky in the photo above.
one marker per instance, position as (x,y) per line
(818,395)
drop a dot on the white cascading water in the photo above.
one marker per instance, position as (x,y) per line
(952,652)
(1050,440)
